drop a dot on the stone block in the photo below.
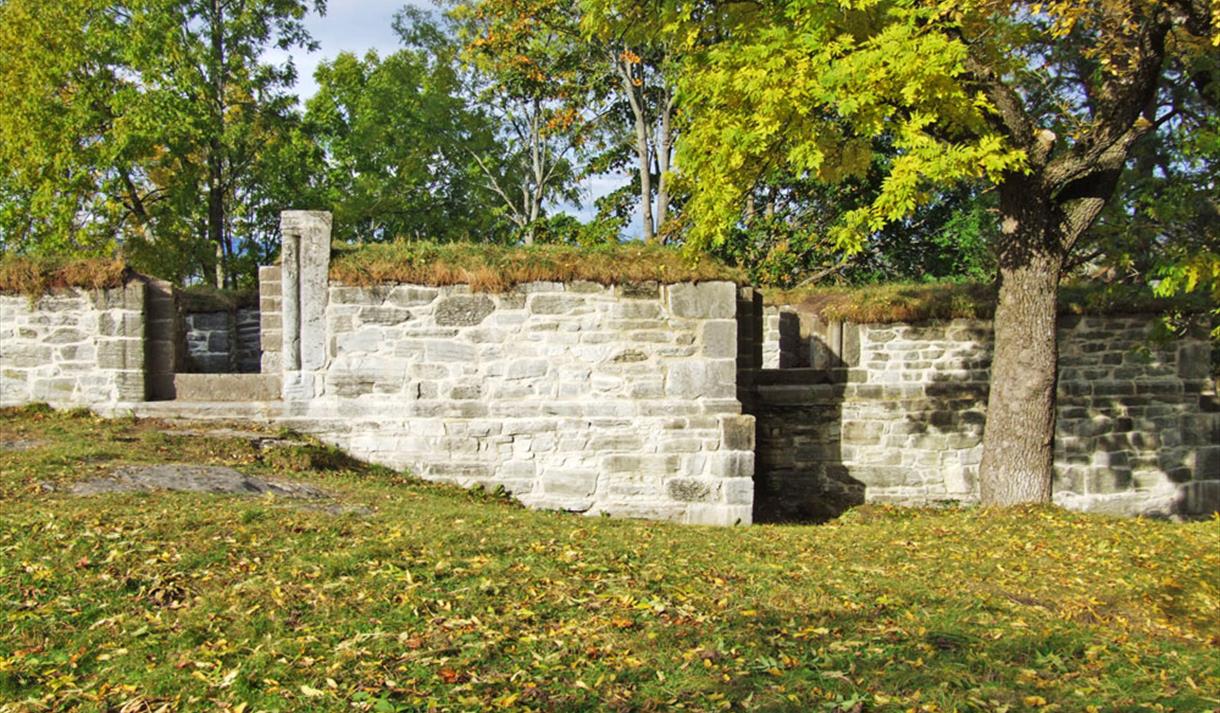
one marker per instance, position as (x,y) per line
(1207,463)
(612,442)
(526,369)
(120,353)
(77,353)
(463,310)
(693,490)
(701,379)
(648,464)
(584,287)
(305,286)
(720,339)
(732,464)
(554,304)
(129,385)
(369,339)
(569,482)
(737,433)
(385,316)
(65,335)
(121,324)
(639,290)
(719,515)
(703,300)
(636,310)
(24,355)
(1200,498)
(103,299)
(56,390)
(738,491)
(411,296)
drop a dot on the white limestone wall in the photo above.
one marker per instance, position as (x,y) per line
(74,347)
(618,400)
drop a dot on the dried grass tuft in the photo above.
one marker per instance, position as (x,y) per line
(36,276)
(496,268)
(941,301)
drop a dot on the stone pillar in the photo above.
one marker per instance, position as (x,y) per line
(160,340)
(270,316)
(305,277)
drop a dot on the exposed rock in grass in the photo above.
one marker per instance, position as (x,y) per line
(193,479)
(21,444)
(217,480)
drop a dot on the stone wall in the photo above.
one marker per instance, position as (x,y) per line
(1134,433)
(638,400)
(225,341)
(74,347)
(618,400)
(270,315)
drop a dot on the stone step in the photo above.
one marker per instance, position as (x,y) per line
(226,387)
(266,412)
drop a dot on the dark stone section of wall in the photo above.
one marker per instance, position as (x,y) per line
(750,326)
(163,349)
(222,342)
(1135,433)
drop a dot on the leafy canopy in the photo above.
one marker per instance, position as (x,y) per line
(814,85)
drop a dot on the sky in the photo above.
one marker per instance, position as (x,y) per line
(348,26)
(360,25)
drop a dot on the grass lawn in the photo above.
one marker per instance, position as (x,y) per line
(448,600)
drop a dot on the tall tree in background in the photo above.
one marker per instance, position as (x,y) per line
(404,147)
(60,183)
(530,70)
(144,122)
(1046,101)
(643,66)
(202,61)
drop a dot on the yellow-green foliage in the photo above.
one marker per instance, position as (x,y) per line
(441,600)
(493,268)
(35,276)
(922,302)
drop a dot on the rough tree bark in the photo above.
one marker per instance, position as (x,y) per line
(635,98)
(1018,443)
(216,177)
(1045,210)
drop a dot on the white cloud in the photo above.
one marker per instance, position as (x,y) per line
(348,26)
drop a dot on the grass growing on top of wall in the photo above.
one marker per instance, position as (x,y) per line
(447,600)
(919,302)
(35,276)
(493,268)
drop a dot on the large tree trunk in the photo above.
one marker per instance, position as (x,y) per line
(641,149)
(664,157)
(216,212)
(1018,441)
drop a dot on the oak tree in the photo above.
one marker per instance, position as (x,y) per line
(1045,101)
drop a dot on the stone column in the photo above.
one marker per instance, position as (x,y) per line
(306,267)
